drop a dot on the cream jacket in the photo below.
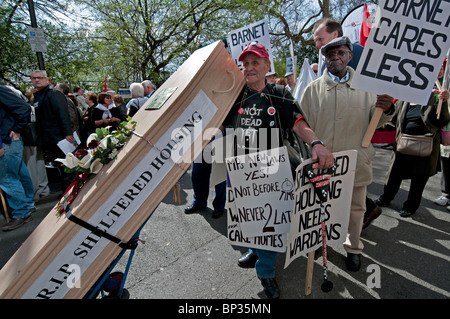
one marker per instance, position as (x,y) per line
(340,116)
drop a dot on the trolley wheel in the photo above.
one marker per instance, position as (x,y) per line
(125,295)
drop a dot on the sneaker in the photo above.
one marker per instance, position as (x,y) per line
(442,200)
(15,223)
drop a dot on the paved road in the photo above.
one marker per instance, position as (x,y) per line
(188,256)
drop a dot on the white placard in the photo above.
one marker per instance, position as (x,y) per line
(263,191)
(405,49)
(256,32)
(305,232)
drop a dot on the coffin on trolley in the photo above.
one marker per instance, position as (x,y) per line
(175,125)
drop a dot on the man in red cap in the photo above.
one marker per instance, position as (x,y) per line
(261,111)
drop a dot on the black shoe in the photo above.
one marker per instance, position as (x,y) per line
(353,262)
(15,223)
(192,209)
(370,216)
(247,260)
(218,213)
(381,202)
(404,213)
(270,288)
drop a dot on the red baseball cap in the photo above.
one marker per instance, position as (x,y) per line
(256,48)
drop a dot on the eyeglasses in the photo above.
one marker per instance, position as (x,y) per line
(38,77)
(339,53)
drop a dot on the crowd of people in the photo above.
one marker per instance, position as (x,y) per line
(57,114)
(33,124)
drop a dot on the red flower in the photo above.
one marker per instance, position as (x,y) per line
(93,144)
(80,153)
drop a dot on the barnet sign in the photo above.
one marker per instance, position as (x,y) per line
(405,49)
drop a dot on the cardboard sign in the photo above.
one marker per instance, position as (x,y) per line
(305,232)
(272,242)
(405,49)
(263,190)
(256,32)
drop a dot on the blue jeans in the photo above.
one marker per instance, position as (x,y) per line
(201,173)
(15,180)
(265,266)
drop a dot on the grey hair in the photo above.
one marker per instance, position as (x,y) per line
(137,90)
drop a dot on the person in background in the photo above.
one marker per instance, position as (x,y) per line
(15,180)
(271,77)
(149,88)
(415,119)
(137,98)
(52,121)
(105,113)
(79,94)
(289,76)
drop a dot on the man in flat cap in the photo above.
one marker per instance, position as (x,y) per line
(340,116)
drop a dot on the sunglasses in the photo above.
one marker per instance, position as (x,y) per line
(255,46)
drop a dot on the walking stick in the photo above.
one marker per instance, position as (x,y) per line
(321,185)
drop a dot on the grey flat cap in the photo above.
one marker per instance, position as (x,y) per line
(335,43)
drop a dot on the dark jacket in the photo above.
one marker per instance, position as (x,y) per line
(52,116)
(414,165)
(14,113)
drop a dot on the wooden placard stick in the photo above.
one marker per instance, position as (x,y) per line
(372,127)
(309,273)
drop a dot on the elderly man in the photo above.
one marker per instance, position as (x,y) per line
(326,30)
(340,116)
(289,76)
(149,88)
(138,98)
(264,107)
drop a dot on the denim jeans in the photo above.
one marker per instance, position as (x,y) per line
(201,173)
(265,266)
(15,180)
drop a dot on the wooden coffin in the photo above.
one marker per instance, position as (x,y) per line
(124,194)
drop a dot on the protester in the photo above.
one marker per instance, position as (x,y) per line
(281,81)
(149,88)
(88,125)
(271,77)
(137,98)
(414,119)
(74,113)
(289,76)
(315,67)
(33,155)
(261,96)
(200,178)
(121,106)
(444,199)
(326,30)
(340,116)
(79,94)
(52,121)
(15,180)
(105,113)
